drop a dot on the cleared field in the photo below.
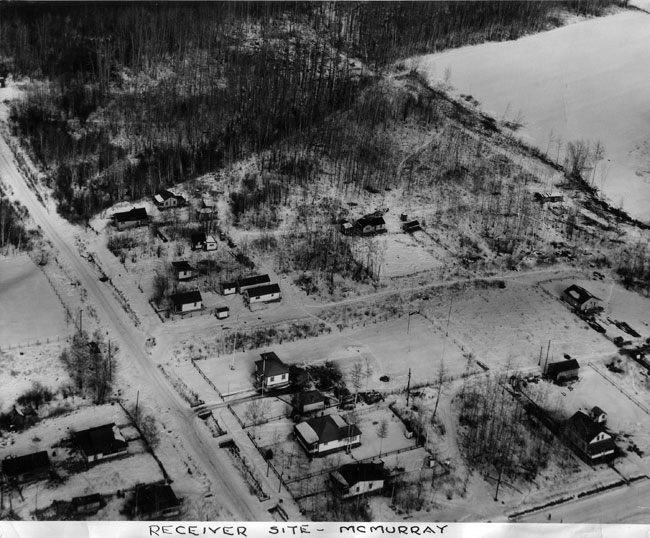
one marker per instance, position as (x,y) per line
(587,80)
(617,302)
(509,326)
(382,349)
(29,309)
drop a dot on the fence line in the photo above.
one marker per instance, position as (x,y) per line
(269,464)
(37,342)
(207,379)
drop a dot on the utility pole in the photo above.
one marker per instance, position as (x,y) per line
(547,351)
(541,350)
(137,401)
(408,389)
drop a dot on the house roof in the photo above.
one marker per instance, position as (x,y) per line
(152,498)
(86,500)
(14,466)
(223,309)
(583,426)
(253,280)
(372,220)
(182,266)
(578,294)
(597,411)
(164,195)
(562,366)
(327,428)
(186,297)
(137,213)
(210,239)
(309,397)
(267,289)
(105,439)
(198,237)
(228,284)
(270,365)
(352,473)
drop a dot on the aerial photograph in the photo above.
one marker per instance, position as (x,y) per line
(325,261)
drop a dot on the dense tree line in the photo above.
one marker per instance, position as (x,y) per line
(137,97)
(12,228)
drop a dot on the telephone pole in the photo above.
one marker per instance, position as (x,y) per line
(408,389)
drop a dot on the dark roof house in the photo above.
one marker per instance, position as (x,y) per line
(183,269)
(326,434)
(252,281)
(35,466)
(563,370)
(186,301)
(580,298)
(271,372)
(156,501)
(310,400)
(355,479)
(87,504)
(134,217)
(589,437)
(369,224)
(101,442)
(266,293)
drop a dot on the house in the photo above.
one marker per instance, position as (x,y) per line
(88,504)
(326,434)
(548,197)
(588,437)
(222,312)
(579,298)
(251,282)
(309,401)
(598,415)
(27,468)
(562,370)
(186,301)
(371,224)
(210,243)
(228,288)
(411,226)
(201,241)
(347,228)
(166,199)
(271,372)
(131,219)
(156,502)
(355,479)
(101,442)
(262,294)
(183,270)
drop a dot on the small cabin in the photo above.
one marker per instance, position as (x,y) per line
(183,270)
(100,442)
(188,301)
(262,294)
(222,312)
(580,299)
(371,224)
(166,200)
(228,288)
(131,219)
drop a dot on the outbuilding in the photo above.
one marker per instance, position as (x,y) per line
(156,502)
(228,288)
(309,401)
(371,224)
(222,312)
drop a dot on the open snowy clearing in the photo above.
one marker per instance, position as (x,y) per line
(587,80)
(618,304)
(507,327)
(382,349)
(29,310)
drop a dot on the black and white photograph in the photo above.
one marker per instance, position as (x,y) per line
(305,262)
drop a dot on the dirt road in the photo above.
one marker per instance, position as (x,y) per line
(228,485)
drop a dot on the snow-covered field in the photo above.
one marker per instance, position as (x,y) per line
(29,310)
(587,80)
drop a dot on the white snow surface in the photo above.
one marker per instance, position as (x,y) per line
(589,80)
